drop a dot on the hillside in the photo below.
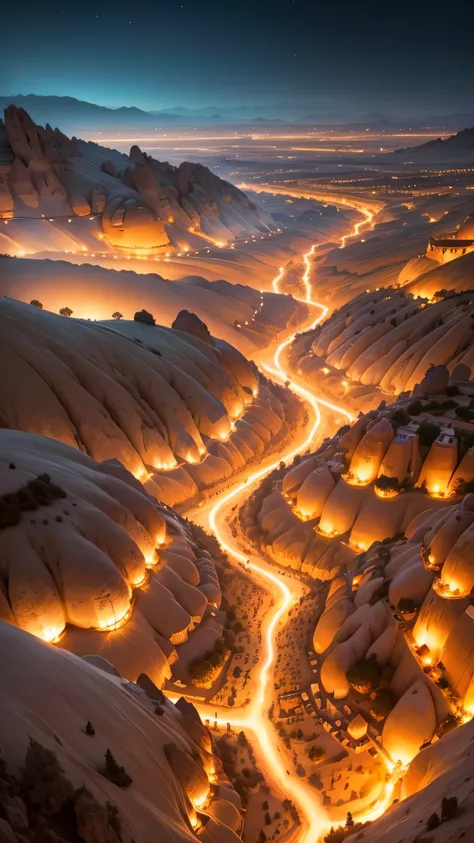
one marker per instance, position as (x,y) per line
(134,202)
(458,148)
(55,781)
(175,405)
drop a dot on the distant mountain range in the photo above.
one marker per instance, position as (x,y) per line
(458,148)
(79,117)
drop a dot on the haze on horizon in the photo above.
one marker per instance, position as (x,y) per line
(293,57)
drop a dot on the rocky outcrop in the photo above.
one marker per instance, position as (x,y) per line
(54,784)
(143,204)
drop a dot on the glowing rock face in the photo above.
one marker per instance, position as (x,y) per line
(169,758)
(365,463)
(439,466)
(84,550)
(134,227)
(409,724)
(458,654)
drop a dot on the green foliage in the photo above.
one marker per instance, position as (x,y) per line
(400,416)
(114,772)
(316,753)
(386,484)
(432,821)
(415,407)
(428,432)
(364,675)
(42,780)
(449,807)
(36,493)
(316,781)
(464,413)
(203,669)
(383,703)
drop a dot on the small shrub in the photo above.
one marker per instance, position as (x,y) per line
(452,389)
(90,729)
(449,807)
(432,821)
(364,675)
(114,772)
(66,311)
(428,432)
(37,304)
(386,484)
(415,407)
(316,753)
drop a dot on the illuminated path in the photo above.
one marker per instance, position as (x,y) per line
(255,715)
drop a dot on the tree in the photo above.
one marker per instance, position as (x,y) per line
(316,753)
(400,416)
(37,304)
(114,772)
(90,729)
(415,407)
(449,807)
(364,675)
(117,315)
(43,781)
(349,820)
(66,311)
(386,484)
(265,805)
(428,432)
(432,821)
(268,819)
(262,837)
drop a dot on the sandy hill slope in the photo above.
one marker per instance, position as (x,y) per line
(133,202)
(381,343)
(54,783)
(175,406)
(244,317)
(455,149)
(85,552)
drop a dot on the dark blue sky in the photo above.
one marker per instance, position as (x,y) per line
(338,56)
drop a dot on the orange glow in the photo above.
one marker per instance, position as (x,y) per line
(113,622)
(52,634)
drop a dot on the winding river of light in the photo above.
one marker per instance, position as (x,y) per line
(255,716)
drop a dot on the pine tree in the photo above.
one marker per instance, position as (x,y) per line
(114,772)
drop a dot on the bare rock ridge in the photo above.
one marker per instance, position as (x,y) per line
(102,761)
(139,202)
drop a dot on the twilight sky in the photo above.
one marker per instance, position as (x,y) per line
(339,56)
